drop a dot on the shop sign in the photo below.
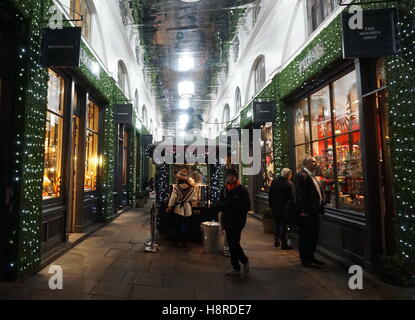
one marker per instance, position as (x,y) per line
(313,56)
(61,47)
(146,139)
(124,113)
(374,36)
(264,112)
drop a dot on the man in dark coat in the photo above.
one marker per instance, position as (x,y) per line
(235,204)
(309,205)
(281,200)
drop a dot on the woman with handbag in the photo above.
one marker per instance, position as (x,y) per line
(180,204)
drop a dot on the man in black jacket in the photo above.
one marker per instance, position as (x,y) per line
(309,206)
(235,204)
(281,199)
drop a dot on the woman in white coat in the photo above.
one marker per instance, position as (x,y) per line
(180,203)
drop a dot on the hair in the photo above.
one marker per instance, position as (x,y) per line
(308,158)
(286,172)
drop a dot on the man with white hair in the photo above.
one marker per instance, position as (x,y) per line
(309,205)
(281,198)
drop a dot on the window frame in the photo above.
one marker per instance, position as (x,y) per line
(332,137)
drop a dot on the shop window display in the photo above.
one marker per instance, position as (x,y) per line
(92,157)
(264,178)
(52,176)
(335,142)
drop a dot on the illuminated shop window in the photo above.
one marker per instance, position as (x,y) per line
(92,157)
(264,178)
(331,133)
(52,175)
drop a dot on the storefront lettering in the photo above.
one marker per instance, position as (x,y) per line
(315,54)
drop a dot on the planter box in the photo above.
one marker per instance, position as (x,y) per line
(268,225)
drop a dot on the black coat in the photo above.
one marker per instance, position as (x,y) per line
(307,199)
(281,197)
(235,205)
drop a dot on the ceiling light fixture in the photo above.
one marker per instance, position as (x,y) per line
(184,104)
(190,1)
(186,63)
(186,88)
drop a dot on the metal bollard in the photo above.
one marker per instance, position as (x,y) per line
(150,245)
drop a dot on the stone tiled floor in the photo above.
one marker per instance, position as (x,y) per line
(111,264)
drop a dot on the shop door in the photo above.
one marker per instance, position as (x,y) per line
(7,78)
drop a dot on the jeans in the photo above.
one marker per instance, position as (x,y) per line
(233,235)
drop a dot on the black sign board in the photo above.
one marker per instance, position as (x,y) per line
(263,112)
(61,47)
(378,38)
(124,113)
(146,139)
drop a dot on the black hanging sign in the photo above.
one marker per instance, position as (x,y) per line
(61,47)
(370,33)
(263,112)
(124,113)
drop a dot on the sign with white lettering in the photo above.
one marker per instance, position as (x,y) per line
(61,47)
(124,113)
(375,36)
(264,112)
(313,56)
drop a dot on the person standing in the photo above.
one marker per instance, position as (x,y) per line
(180,202)
(281,200)
(309,205)
(235,204)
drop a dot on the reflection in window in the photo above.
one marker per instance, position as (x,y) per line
(238,101)
(80,8)
(92,138)
(318,11)
(226,116)
(124,156)
(52,175)
(259,74)
(338,153)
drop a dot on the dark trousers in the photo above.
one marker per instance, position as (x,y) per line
(180,228)
(233,235)
(308,232)
(280,230)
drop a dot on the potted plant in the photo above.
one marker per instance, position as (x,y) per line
(267,220)
(140,199)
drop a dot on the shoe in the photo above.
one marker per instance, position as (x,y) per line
(319,263)
(226,253)
(286,247)
(277,244)
(245,268)
(310,265)
(233,272)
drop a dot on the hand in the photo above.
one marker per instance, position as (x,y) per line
(169,209)
(304,214)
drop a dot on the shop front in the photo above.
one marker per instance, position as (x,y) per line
(341,118)
(73,153)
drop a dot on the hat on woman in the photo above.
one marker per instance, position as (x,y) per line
(232,171)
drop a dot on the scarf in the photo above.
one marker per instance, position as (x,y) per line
(231,186)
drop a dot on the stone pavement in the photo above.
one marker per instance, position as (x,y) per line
(111,264)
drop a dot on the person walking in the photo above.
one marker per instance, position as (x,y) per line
(309,206)
(235,204)
(281,200)
(180,203)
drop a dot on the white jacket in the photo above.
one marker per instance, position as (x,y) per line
(183,209)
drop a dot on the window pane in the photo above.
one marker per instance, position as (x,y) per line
(300,153)
(125,156)
(264,178)
(346,104)
(55,93)
(350,171)
(93,117)
(320,114)
(53,157)
(302,123)
(91,161)
(323,151)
